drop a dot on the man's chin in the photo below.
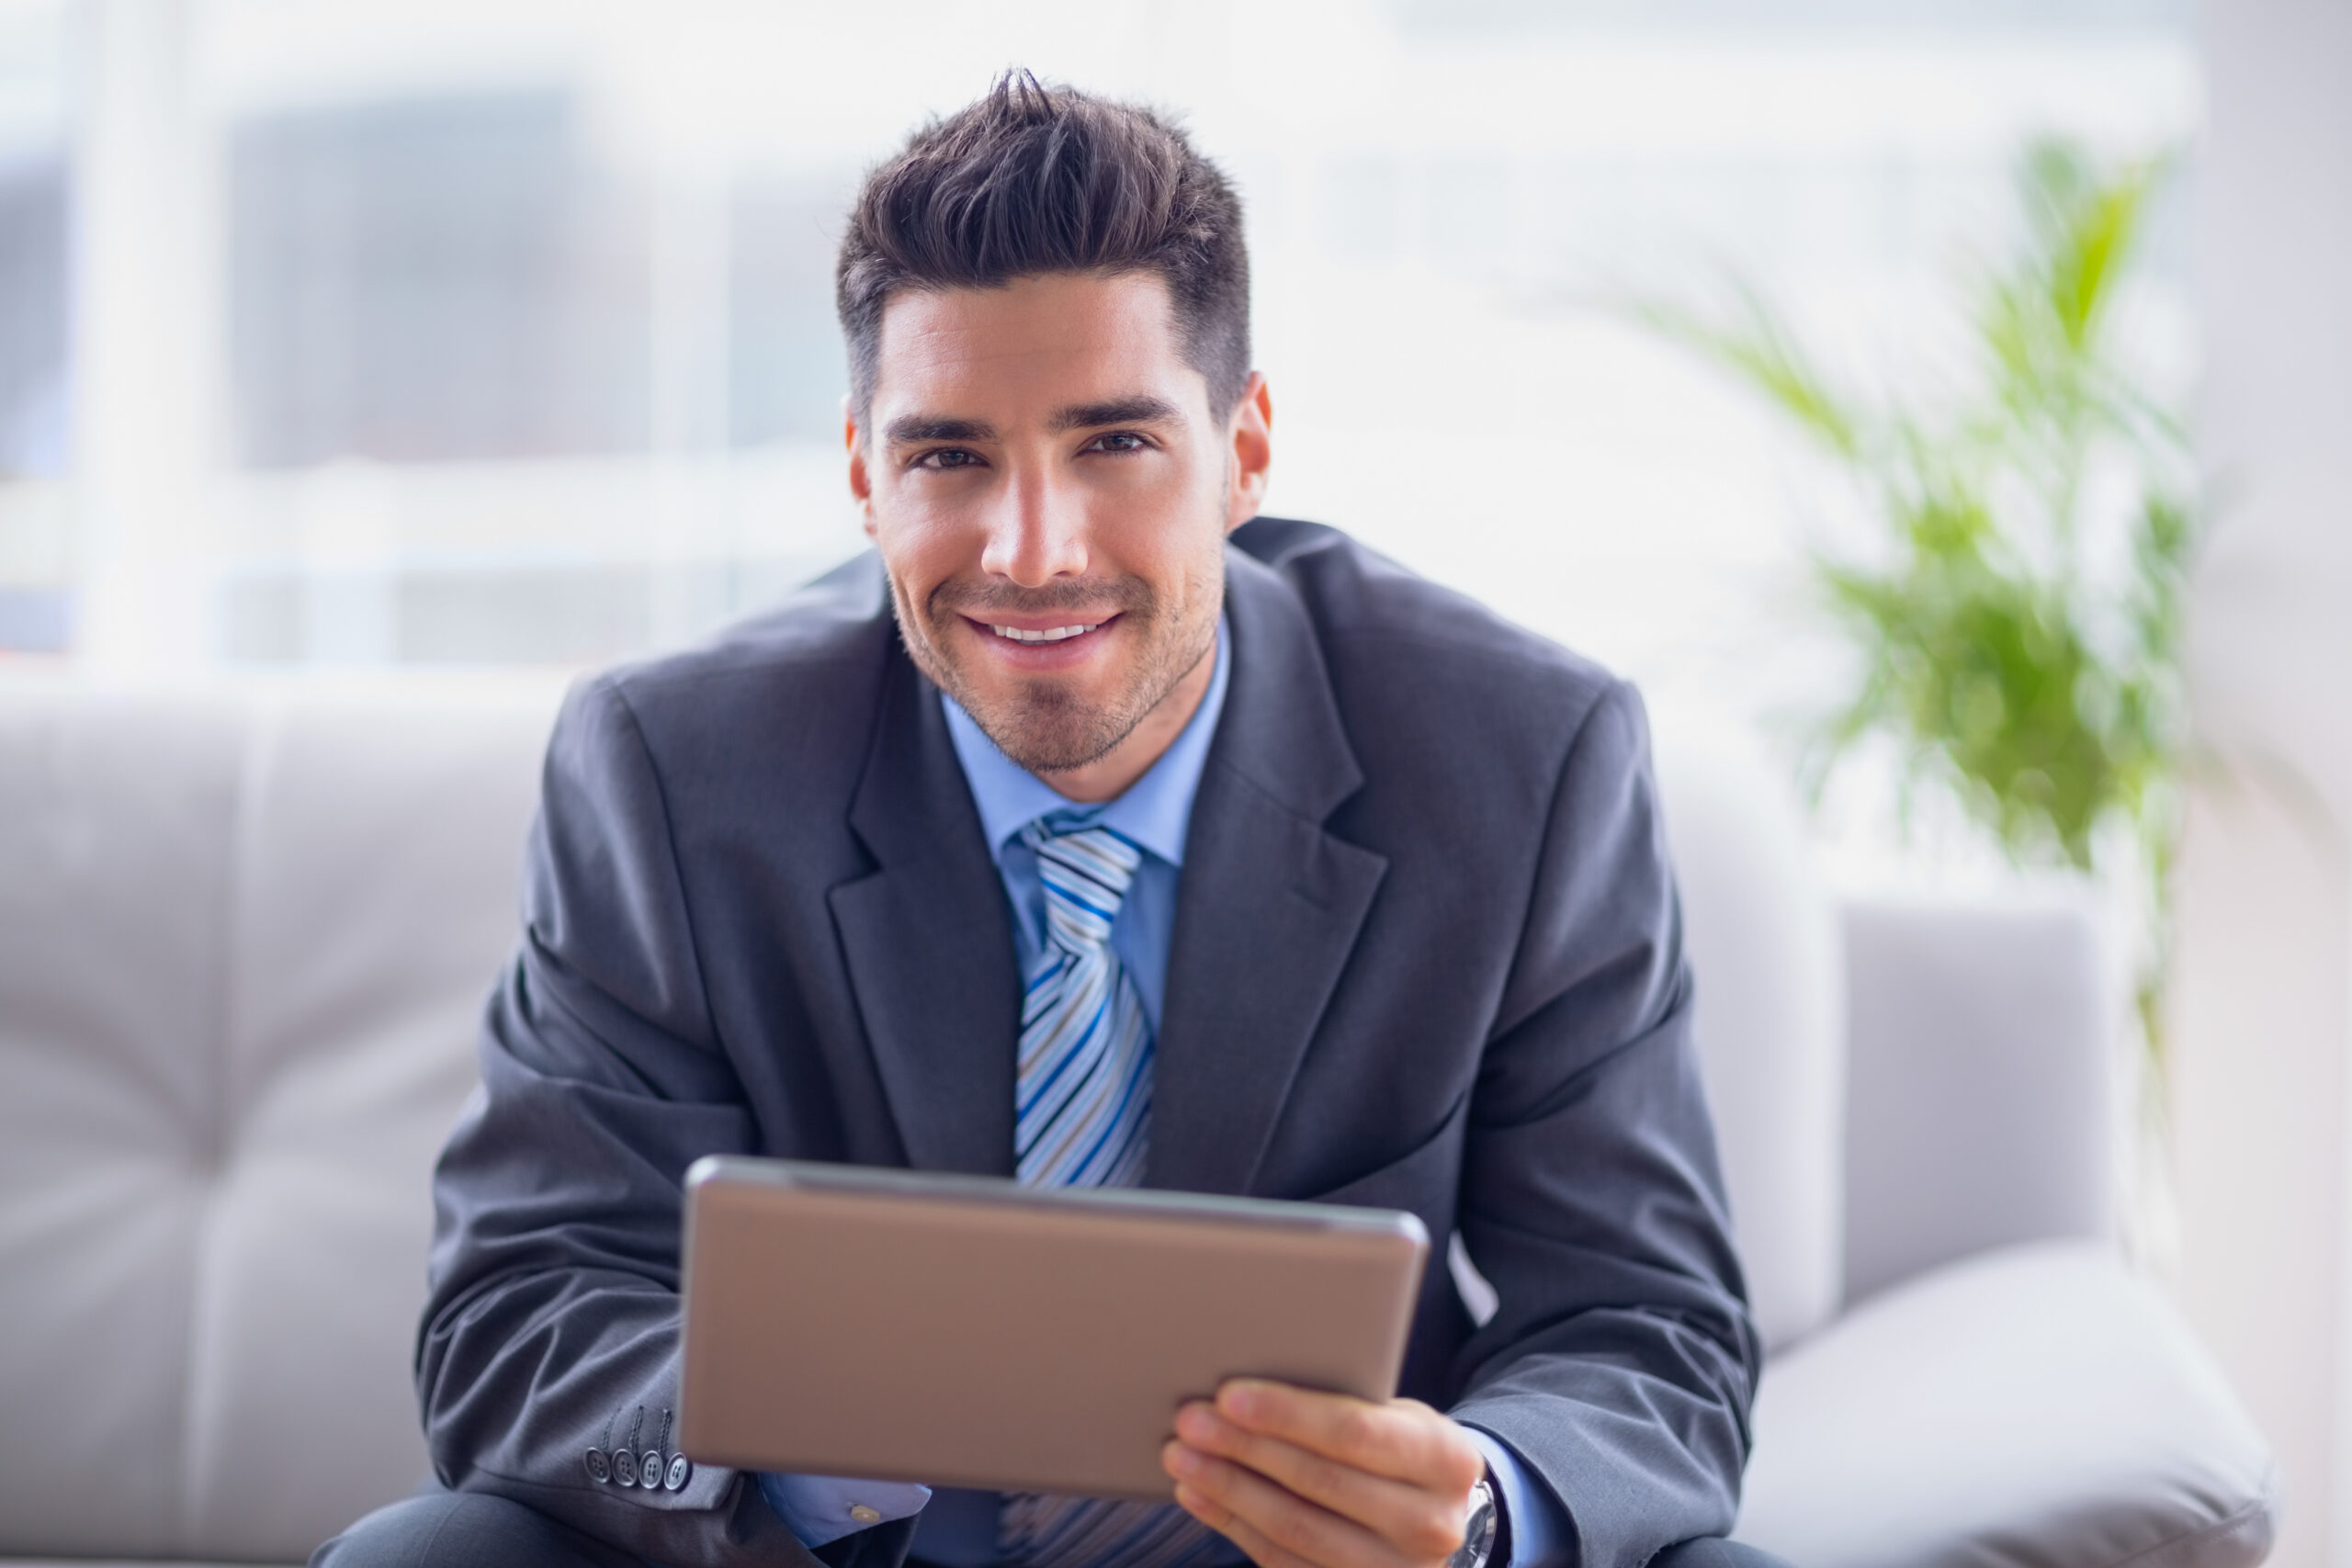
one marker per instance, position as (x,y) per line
(1051,736)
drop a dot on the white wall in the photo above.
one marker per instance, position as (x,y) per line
(2264,1007)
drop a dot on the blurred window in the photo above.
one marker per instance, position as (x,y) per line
(785,369)
(33,431)
(518,343)
(36,368)
(431,280)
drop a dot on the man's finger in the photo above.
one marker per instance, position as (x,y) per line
(1312,1534)
(1402,1439)
(1421,1523)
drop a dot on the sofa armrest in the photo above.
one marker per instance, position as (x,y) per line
(2036,1408)
(1980,1097)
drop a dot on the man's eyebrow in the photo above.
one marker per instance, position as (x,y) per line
(913,427)
(1141,409)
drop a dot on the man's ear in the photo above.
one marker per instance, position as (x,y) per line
(1251,444)
(861,484)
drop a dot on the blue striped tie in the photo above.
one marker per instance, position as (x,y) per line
(1082,1116)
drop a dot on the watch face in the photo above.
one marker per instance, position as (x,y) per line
(1477,1531)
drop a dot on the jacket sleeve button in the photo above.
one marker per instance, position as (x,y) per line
(679,1468)
(600,1469)
(624,1466)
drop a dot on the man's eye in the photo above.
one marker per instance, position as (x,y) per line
(1117,441)
(948,458)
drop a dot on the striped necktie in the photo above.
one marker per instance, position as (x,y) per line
(1082,1116)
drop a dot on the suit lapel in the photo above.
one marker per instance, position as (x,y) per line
(928,942)
(1270,904)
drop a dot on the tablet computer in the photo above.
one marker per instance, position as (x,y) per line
(965,1331)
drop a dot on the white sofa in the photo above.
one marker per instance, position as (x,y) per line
(245,930)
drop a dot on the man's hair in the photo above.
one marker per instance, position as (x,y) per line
(1032,180)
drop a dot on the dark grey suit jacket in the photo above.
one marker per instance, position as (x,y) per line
(1427,956)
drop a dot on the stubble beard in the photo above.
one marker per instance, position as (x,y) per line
(1043,725)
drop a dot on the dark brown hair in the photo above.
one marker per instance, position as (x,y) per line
(1030,180)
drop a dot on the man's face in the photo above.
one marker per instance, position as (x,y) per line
(1050,490)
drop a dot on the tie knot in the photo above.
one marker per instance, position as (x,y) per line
(1085,874)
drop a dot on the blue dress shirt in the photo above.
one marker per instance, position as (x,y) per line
(958,1527)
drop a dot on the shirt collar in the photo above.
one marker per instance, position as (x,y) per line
(1156,812)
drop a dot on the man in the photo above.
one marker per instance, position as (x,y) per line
(1083,834)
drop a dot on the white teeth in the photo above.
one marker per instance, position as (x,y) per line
(1054,635)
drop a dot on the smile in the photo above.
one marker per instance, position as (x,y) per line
(1052,634)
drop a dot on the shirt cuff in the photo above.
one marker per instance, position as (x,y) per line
(1541,1534)
(819,1509)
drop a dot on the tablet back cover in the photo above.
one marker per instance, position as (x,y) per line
(987,1336)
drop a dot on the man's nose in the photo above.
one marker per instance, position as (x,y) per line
(1036,532)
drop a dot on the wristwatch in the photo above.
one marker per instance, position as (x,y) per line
(1478,1528)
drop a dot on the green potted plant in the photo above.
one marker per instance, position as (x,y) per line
(2014,620)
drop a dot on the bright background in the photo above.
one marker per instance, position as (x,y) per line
(487,332)
(372,334)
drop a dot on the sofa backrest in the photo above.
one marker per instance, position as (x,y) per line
(1982,1108)
(1770,1012)
(244,940)
(245,934)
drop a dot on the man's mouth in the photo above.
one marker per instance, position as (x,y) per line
(1046,634)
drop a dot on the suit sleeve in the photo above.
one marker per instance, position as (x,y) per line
(1620,1361)
(551,1324)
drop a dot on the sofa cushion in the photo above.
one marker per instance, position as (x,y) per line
(2035,1407)
(1764,946)
(244,940)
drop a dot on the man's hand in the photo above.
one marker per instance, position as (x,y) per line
(1305,1480)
